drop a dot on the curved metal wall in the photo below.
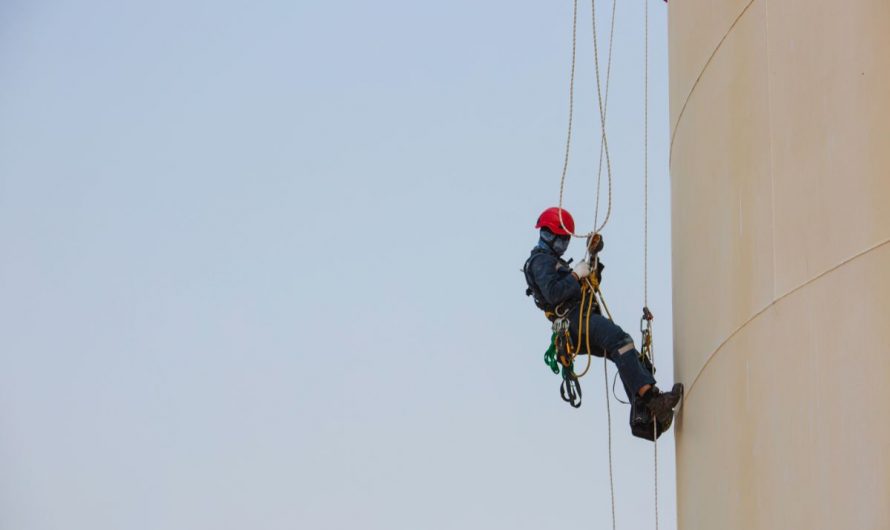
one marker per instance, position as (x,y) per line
(780,168)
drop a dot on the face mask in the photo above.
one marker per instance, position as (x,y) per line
(560,245)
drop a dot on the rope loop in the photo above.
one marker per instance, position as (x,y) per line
(602,103)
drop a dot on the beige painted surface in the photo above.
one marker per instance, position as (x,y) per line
(780,168)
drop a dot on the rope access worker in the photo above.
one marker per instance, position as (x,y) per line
(556,288)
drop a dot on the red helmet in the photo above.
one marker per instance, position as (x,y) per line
(550,219)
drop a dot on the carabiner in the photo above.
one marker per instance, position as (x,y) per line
(570,392)
(646,320)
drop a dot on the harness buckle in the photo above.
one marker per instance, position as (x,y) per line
(560,324)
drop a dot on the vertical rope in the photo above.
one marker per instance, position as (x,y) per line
(565,165)
(605,140)
(599,171)
(609,419)
(655,444)
(646,154)
(604,149)
(646,217)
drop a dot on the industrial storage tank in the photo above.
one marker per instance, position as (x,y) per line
(780,179)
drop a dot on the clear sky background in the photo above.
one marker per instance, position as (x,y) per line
(259,265)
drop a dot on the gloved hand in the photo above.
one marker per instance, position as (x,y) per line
(581,270)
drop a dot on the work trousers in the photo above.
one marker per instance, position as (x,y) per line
(607,337)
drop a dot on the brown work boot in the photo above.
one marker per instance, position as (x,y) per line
(661,404)
(654,408)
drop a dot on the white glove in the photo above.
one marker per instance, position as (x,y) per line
(582,270)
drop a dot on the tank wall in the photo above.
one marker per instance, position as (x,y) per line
(780,168)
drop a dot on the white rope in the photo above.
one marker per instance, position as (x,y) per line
(599,171)
(609,421)
(655,444)
(646,221)
(646,154)
(604,149)
(565,164)
(599,98)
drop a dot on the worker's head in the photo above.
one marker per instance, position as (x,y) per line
(556,233)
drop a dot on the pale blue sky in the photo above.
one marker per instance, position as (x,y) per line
(260,265)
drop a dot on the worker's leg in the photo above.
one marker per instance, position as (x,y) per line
(607,336)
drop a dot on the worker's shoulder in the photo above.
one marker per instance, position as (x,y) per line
(540,261)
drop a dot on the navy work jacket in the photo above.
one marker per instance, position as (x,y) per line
(550,280)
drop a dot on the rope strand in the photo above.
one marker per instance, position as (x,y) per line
(646,223)
(646,158)
(599,171)
(609,420)
(602,112)
(565,164)
(605,139)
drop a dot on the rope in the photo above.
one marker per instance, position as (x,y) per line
(646,155)
(584,316)
(599,172)
(592,286)
(651,351)
(655,445)
(609,420)
(604,142)
(599,98)
(590,294)
(596,288)
(565,164)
